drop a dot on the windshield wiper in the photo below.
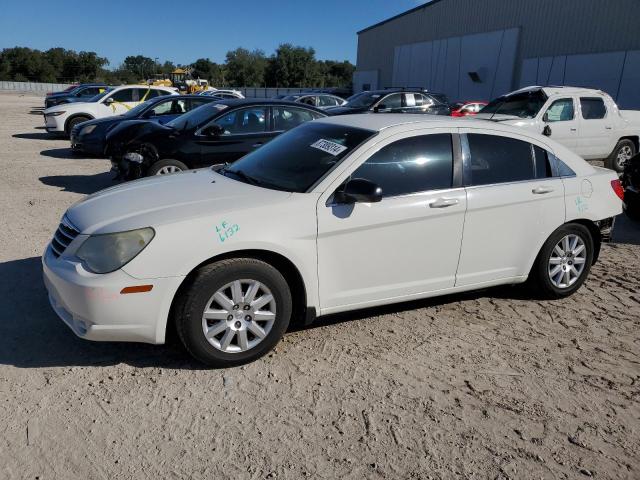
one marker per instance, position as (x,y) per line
(242,175)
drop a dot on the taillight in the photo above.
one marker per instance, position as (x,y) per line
(617,188)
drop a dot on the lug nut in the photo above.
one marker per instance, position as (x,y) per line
(247,307)
(248,318)
(230,317)
(236,307)
(238,324)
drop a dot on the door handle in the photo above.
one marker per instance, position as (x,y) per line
(443,202)
(542,190)
(256,145)
(608,128)
(573,129)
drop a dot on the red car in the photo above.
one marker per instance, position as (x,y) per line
(465,109)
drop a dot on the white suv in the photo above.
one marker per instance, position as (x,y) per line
(337,214)
(61,119)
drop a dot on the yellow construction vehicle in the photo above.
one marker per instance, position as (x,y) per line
(180,78)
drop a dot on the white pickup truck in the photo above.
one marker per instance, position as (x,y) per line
(586,121)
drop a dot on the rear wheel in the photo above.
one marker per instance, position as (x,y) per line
(625,149)
(234,312)
(166,167)
(564,262)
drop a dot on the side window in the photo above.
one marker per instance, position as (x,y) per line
(309,101)
(497,159)
(195,104)
(248,120)
(170,107)
(560,168)
(145,94)
(285,118)
(560,111)
(391,102)
(124,95)
(592,108)
(89,92)
(410,165)
(409,100)
(326,101)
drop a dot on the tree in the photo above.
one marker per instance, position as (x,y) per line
(139,67)
(293,66)
(206,69)
(245,68)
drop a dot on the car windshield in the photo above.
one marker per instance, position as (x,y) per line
(100,95)
(196,116)
(297,159)
(521,105)
(363,100)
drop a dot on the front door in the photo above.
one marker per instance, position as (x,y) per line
(563,124)
(513,205)
(407,244)
(244,130)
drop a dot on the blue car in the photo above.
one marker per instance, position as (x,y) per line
(89,137)
(81,93)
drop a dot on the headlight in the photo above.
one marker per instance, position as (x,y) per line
(108,252)
(54,114)
(88,129)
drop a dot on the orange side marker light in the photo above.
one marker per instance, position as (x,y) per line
(136,289)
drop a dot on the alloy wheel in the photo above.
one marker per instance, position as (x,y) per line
(168,169)
(238,316)
(567,261)
(624,155)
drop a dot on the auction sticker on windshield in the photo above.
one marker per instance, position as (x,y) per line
(329,147)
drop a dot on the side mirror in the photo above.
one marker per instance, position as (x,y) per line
(546,131)
(380,108)
(108,101)
(213,130)
(359,190)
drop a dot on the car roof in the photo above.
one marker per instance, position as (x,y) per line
(379,122)
(243,102)
(550,90)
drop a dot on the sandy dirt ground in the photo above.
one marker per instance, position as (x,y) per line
(483,385)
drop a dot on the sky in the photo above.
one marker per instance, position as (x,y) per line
(185,31)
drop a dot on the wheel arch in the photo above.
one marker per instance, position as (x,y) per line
(594,230)
(301,313)
(76,115)
(634,138)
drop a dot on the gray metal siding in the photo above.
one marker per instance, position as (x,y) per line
(548,28)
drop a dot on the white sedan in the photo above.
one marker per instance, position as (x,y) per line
(61,119)
(338,214)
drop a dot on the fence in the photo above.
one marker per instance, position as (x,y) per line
(42,88)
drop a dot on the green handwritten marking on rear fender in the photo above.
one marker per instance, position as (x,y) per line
(581,205)
(226,230)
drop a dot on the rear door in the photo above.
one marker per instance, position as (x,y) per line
(596,128)
(513,204)
(244,130)
(392,103)
(561,118)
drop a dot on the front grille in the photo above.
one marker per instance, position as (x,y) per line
(65,234)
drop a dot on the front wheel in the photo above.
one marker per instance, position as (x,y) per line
(619,158)
(564,262)
(234,312)
(166,167)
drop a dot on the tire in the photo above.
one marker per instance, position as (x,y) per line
(73,122)
(164,167)
(541,273)
(225,347)
(625,149)
(632,209)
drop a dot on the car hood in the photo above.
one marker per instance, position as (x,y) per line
(167,199)
(104,122)
(71,107)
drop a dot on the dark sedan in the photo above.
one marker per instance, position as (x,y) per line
(90,137)
(80,93)
(212,134)
(394,101)
(631,184)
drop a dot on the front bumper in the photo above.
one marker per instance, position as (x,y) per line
(52,125)
(93,307)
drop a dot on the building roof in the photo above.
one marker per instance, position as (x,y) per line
(424,5)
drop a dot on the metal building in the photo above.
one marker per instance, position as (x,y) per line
(479,49)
